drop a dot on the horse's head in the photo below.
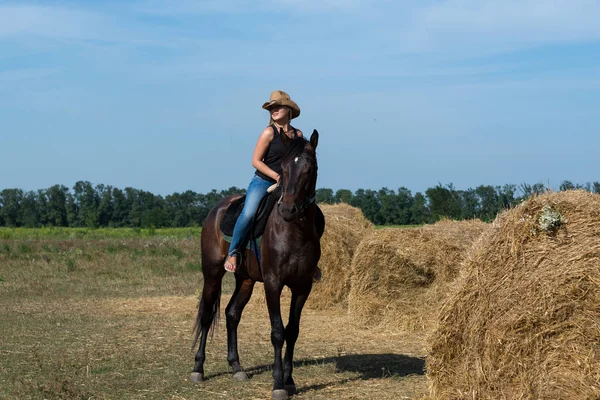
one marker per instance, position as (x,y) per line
(299,178)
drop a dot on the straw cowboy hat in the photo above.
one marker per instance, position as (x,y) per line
(281,98)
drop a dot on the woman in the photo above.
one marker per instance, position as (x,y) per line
(266,158)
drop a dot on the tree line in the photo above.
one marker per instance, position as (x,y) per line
(86,205)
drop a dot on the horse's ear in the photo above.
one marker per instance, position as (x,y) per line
(314,139)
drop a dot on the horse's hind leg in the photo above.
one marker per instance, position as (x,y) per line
(208,313)
(233,312)
(299,297)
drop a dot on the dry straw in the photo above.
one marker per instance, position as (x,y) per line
(524,321)
(345,227)
(400,276)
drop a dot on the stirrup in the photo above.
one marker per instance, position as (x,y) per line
(318,275)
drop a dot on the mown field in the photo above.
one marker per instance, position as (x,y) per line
(108,314)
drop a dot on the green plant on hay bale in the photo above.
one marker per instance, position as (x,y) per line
(524,320)
(399,277)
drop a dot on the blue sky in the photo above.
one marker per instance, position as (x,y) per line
(165,96)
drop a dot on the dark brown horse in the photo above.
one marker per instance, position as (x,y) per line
(289,250)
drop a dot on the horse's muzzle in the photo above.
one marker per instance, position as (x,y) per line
(288,212)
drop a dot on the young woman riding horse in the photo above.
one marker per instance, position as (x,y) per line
(268,152)
(289,250)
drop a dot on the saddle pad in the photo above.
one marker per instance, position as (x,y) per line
(260,219)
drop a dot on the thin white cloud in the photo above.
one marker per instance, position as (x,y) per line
(190,8)
(507,24)
(353,6)
(8,77)
(23,22)
(194,7)
(45,21)
(446,26)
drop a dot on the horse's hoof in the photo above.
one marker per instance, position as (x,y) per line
(196,377)
(240,376)
(291,389)
(279,394)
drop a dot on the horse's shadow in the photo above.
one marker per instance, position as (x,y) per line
(367,366)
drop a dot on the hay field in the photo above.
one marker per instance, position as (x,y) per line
(112,319)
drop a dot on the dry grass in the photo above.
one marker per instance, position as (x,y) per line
(524,321)
(345,226)
(112,319)
(400,277)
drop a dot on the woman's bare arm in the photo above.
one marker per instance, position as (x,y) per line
(264,140)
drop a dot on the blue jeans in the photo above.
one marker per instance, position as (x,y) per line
(257,189)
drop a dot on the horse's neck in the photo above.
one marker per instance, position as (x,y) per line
(303,225)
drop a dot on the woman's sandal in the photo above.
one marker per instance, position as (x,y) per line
(229,265)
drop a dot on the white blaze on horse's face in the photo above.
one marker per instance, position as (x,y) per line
(296,160)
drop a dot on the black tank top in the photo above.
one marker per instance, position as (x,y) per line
(274,153)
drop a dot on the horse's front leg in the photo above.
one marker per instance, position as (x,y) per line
(233,312)
(273,295)
(299,296)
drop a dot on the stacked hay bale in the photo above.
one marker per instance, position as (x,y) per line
(524,321)
(345,226)
(460,236)
(400,276)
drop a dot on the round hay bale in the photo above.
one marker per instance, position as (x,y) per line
(524,321)
(459,236)
(399,275)
(345,226)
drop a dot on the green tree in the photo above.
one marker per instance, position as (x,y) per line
(470,204)
(11,200)
(586,186)
(324,195)
(506,196)
(105,206)
(444,202)
(368,202)
(87,200)
(343,196)
(419,213)
(154,214)
(30,210)
(57,205)
(528,190)
(232,191)
(120,209)
(389,212)
(566,185)
(404,203)
(488,200)
(72,210)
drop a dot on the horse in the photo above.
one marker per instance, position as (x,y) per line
(289,252)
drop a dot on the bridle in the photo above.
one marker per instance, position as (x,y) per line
(308,200)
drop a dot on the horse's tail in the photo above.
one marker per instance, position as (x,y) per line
(214,316)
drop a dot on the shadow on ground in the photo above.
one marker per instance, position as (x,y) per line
(368,366)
